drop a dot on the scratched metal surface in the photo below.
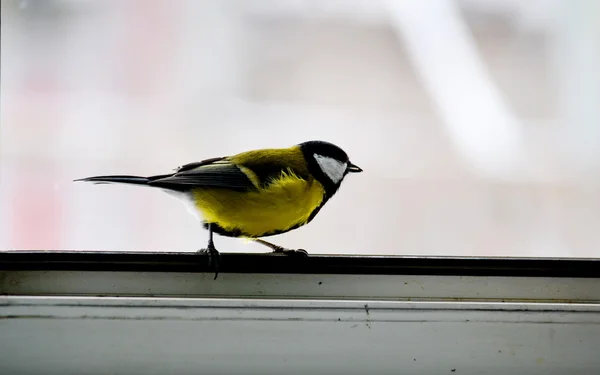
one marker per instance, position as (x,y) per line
(231,285)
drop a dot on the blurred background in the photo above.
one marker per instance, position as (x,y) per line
(477,122)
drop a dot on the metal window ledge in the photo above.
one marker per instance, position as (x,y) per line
(131,313)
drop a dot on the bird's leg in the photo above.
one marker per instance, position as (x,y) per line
(282,250)
(213,254)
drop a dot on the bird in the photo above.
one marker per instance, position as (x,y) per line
(253,194)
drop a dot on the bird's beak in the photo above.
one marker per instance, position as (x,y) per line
(354,168)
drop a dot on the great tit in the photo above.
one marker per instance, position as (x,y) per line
(256,193)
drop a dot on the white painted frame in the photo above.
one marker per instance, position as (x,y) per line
(92,322)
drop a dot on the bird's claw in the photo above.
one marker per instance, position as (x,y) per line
(214,257)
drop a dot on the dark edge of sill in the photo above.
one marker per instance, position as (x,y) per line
(314,264)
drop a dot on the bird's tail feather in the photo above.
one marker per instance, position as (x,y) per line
(120,179)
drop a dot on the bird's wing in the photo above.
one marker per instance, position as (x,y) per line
(216,172)
(189,166)
(267,165)
(246,171)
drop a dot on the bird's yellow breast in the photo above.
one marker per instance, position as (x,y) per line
(284,204)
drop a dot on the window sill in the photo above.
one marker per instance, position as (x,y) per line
(148,313)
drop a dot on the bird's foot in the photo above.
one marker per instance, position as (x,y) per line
(282,250)
(291,252)
(214,257)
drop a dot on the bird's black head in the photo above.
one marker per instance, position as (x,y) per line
(328,163)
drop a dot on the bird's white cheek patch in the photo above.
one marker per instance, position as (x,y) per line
(334,169)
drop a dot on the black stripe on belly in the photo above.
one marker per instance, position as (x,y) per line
(216,228)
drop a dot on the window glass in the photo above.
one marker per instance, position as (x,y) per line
(476,122)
